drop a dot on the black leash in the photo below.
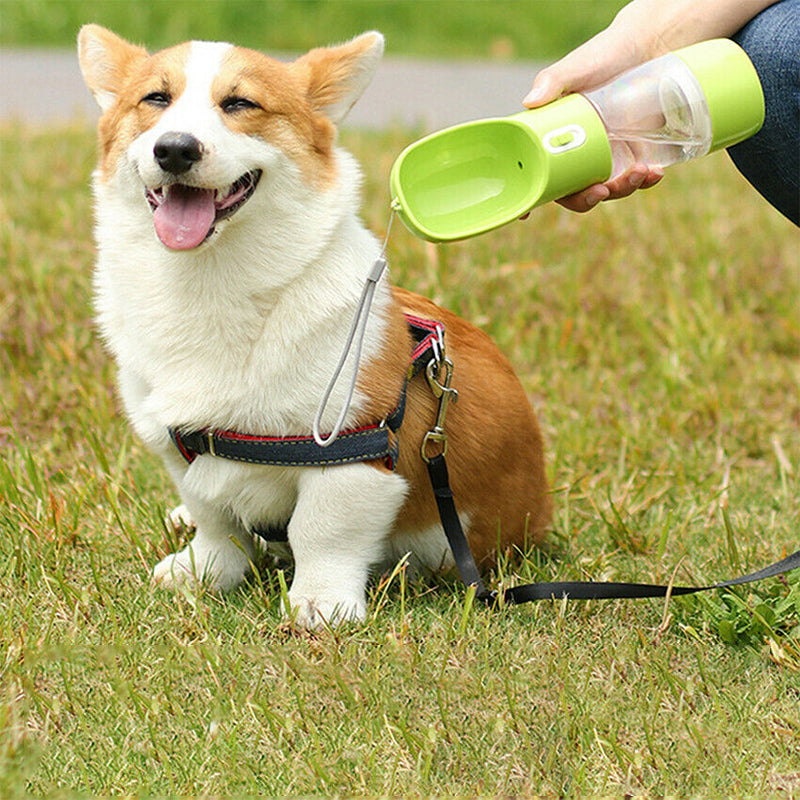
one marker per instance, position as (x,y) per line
(467,569)
(574,590)
(439,372)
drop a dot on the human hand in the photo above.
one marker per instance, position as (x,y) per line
(591,65)
(641,31)
(637,176)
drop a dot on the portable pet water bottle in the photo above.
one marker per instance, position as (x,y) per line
(469,179)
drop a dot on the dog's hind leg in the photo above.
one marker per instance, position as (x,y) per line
(337,532)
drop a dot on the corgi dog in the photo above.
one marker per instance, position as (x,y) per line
(230,262)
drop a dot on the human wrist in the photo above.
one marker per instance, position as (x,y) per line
(660,27)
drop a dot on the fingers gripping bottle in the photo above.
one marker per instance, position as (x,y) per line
(469,179)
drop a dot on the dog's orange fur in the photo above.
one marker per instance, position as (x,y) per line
(291,125)
(495,455)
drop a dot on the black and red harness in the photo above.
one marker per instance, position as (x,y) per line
(381,441)
(367,443)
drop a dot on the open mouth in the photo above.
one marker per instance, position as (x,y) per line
(185,216)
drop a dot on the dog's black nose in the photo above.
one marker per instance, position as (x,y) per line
(177,152)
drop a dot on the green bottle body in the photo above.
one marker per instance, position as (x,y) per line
(475,177)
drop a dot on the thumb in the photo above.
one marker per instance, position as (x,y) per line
(570,74)
(546,87)
(592,64)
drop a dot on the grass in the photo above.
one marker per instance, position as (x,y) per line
(659,340)
(528,29)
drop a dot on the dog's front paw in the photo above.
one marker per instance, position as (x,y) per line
(313,612)
(175,571)
(181,519)
(221,572)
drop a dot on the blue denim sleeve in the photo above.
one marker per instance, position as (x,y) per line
(770,160)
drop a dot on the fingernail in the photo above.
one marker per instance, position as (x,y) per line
(534,96)
(637,179)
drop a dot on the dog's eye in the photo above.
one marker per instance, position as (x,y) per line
(157,99)
(232,104)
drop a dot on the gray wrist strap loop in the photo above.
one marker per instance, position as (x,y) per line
(357,332)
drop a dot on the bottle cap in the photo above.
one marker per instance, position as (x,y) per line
(731,87)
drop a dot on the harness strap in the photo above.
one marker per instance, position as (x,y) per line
(428,335)
(368,443)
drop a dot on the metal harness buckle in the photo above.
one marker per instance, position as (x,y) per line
(440,366)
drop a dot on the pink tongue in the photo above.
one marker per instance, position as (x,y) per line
(185,217)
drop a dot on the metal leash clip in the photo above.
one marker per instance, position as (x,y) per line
(436,369)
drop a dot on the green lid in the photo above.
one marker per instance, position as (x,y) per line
(731,87)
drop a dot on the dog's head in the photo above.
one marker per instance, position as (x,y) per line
(198,132)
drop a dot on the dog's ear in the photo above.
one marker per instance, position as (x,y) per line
(337,76)
(106,60)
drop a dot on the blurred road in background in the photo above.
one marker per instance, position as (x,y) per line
(46,87)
